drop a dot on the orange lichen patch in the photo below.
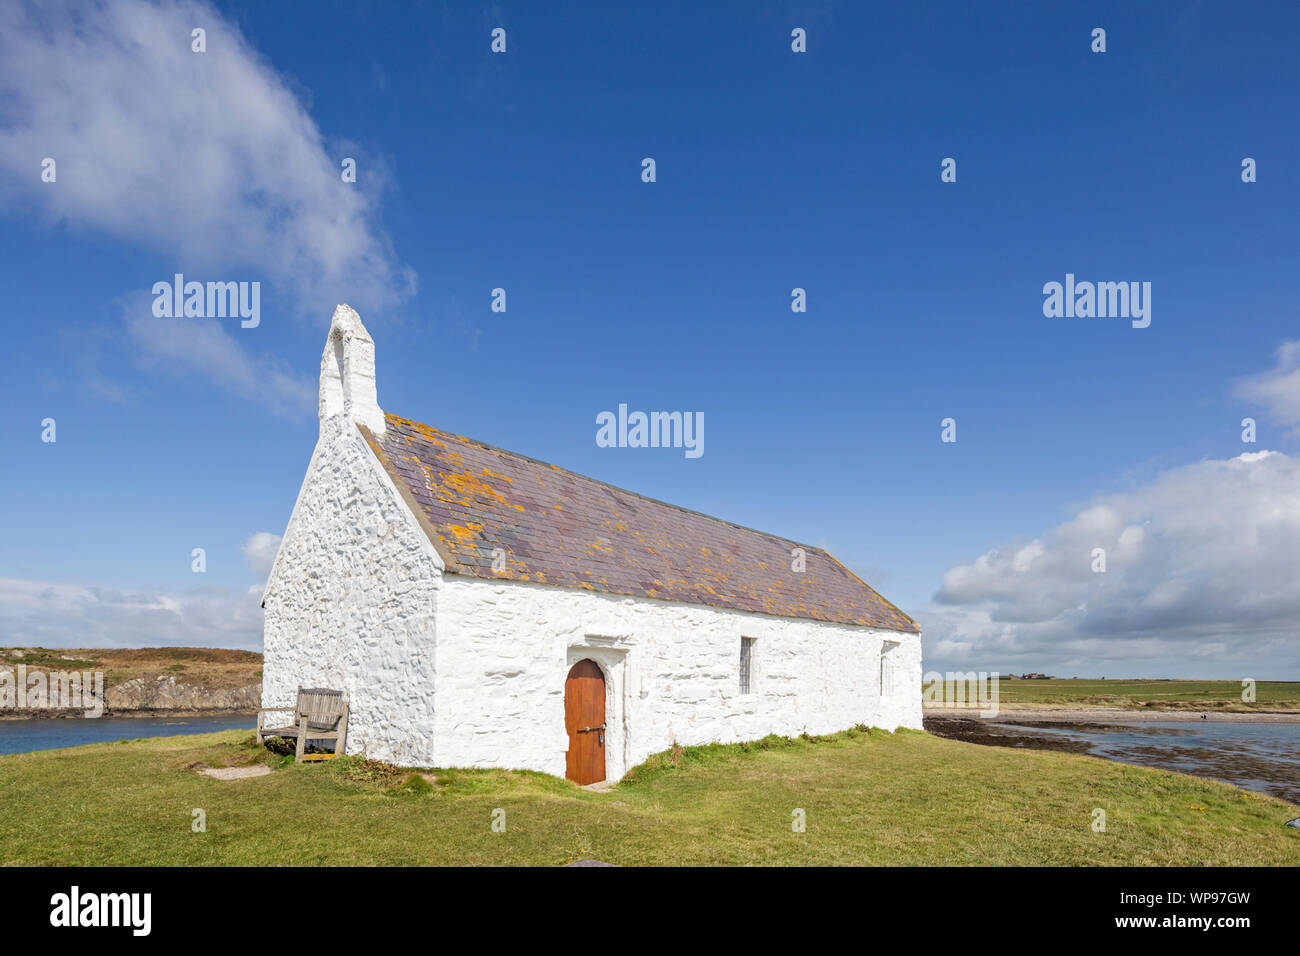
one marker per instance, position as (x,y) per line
(492,474)
(465,531)
(472,484)
(424,431)
(463,488)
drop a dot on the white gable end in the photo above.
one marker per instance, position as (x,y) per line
(352,597)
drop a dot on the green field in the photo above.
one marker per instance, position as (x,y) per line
(1201,695)
(869,797)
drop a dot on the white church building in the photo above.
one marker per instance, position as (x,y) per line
(485,609)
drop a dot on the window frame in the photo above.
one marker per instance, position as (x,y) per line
(887,649)
(746,668)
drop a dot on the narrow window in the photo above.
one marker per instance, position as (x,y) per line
(887,668)
(746,664)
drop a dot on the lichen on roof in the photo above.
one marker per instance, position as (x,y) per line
(495,514)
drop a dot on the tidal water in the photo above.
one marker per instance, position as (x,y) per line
(1256,756)
(1264,757)
(48,733)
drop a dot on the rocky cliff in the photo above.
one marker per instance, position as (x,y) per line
(168,693)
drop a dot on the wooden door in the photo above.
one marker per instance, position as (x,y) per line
(584,719)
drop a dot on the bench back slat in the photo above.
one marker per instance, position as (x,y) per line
(322,707)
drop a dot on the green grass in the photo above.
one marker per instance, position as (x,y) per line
(41,659)
(870,798)
(1205,695)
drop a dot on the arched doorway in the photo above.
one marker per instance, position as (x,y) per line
(584,719)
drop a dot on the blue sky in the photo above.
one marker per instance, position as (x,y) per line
(775,170)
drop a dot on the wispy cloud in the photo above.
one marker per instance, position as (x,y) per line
(37,613)
(207,348)
(260,549)
(1278,389)
(209,157)
(58,614)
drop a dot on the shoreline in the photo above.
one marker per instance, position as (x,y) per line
(1116,715)
(161,712)
(1005,714)
(1249,751)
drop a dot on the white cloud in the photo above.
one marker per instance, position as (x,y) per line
(1278,389)
(1202,575)
(206,347)
(209,157)
(56,614)
(260,549)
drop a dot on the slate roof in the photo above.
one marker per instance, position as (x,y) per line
(561,528)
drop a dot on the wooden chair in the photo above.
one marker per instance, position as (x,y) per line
(320,714)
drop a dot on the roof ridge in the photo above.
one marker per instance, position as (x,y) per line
(626,491)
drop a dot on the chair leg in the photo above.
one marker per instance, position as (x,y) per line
(302,740)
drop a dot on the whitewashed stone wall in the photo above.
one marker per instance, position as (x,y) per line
(351,602)
(672,674)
